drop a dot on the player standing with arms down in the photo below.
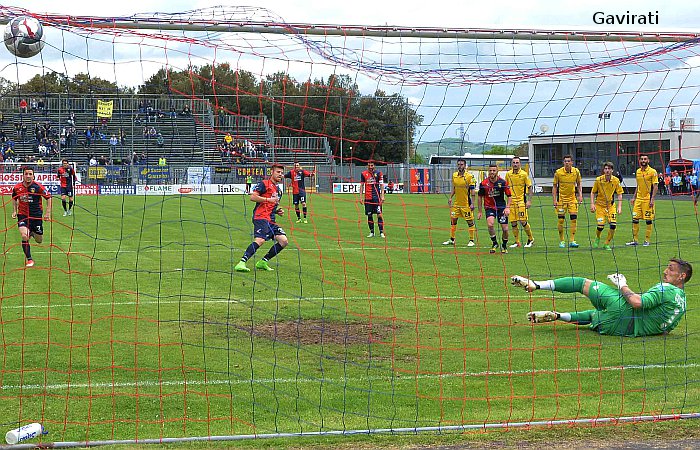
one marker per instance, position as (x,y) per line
(492,195)
(643,200)
(267,195)
(567,192)
(299,189)
(372,195)
(464,194)
(619,311)
(67,178)
(27,208)
(520,201)
(603,203)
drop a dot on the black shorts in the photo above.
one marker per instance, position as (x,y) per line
(36,226)
(266,230)
(67,191)
(498,214)
(299,198)
(372,208)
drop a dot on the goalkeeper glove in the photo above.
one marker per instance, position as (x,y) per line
(618,280)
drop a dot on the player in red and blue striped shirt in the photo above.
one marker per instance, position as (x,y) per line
(27,208)
(267,195)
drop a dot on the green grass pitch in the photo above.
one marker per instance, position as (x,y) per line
(133,323)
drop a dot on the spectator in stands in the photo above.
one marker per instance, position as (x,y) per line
(33,105)
(2,118)
(43,151)
(23,132)
(40,105)
(122,137)
(160,141)
(172,114)
(40,164)
(228,141)
(23,106)
(102,161)
(152,133)
(113,142)
(143,159)
(684,183)
(693,181)
(662,186)
(71,119)
(162,161)
(676,183)
(186,111)
(92,162)
(88,137)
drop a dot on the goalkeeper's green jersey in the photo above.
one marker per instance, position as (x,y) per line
(663,306)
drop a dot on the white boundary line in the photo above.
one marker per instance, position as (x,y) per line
(384,378)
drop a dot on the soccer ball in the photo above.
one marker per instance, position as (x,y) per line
(24,36)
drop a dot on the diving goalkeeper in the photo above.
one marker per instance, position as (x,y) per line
(618,310)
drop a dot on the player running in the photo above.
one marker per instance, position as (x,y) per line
(603,204)
(492,195)
(372,195)
(67,178)
(619,311)
(267,195)
(299,189)
(567,192)
(28,209)
(520,201)
(464,194)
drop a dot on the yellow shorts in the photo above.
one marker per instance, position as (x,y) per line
(462,211)
(567,206)
(518,212)
(642,210)
(605,214)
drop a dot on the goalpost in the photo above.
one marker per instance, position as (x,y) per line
(133,326)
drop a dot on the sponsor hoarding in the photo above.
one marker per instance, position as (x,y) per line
(346,188)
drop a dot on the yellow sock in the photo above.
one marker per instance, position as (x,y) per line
(453,231)
(528,231)
(516,232)
(635,231)
(647,235)
(572,230)
(472,233)
(611,233)
(560,228)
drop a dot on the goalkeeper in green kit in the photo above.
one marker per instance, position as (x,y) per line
(618,310)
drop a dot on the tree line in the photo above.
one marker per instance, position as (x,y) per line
(379,126)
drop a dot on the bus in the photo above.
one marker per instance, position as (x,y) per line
(477,164)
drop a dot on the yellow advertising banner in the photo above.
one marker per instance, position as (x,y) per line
(104,108)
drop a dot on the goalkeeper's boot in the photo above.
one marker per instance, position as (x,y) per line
(241,267)
(596,243)
(607,247)
(525,283)
(263,265)
(542,316)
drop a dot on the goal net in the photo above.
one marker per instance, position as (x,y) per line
(138,322)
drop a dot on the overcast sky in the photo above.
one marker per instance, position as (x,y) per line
(550,14)
(492,114)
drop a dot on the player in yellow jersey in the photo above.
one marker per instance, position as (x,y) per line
(567,192)
(643,200)
(464,194)
(603,203)
(520,201)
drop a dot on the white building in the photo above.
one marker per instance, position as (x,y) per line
(590,151)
